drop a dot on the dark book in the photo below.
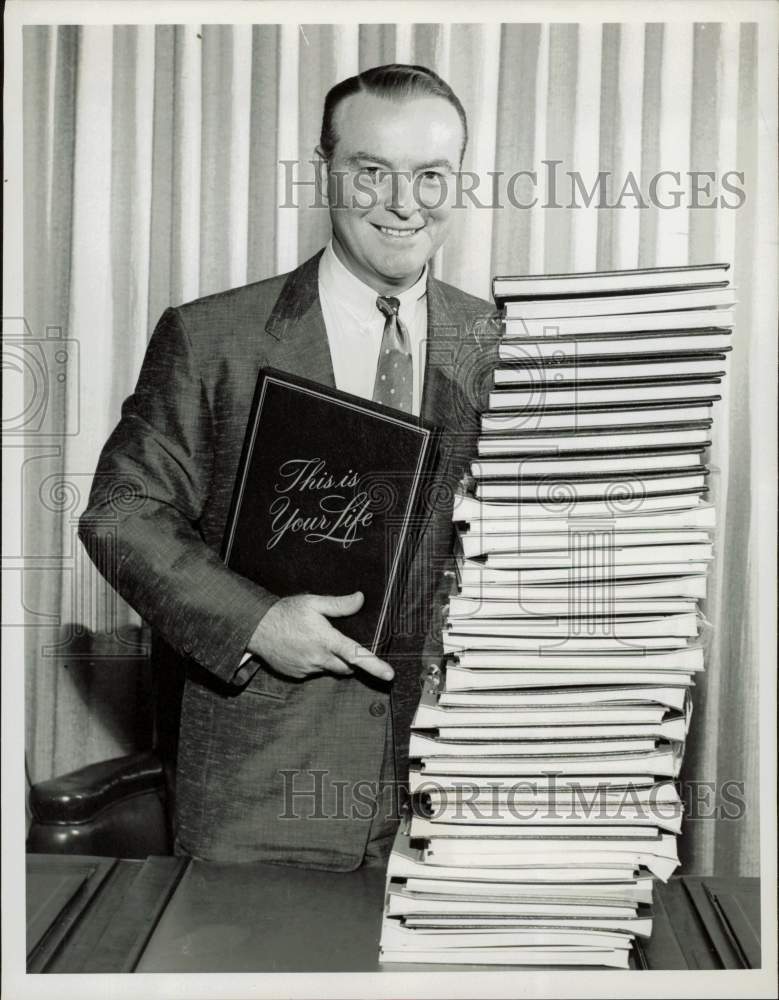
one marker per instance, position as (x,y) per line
(330,497)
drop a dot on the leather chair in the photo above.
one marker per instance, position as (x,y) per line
(120,808)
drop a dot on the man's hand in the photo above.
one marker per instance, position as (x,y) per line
(297,640)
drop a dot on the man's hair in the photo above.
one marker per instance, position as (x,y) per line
(395,81)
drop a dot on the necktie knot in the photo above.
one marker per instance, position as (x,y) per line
(388,305)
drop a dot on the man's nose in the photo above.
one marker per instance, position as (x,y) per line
(400,196)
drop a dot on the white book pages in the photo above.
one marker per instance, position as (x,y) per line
(462,854)
(660,763)
(399,904)
(623,305)
(549,787)
(475,542)
(463,851)
(536,371)
(459,679)
(587,554)
(646,415)
(546,877)
(454,642)
(662,795)
(428,747)
(508,819)
(568,831)
(570,634)
(635,891)
(394,935)
(632,850)
(689,660)
(586,395)
(637,926)
(670,729)
(450,853)
(649,280)
(607,305)
(637,487)
(639,627)
(454,783)
(406,861)
(517,346)
(578,326)
(670,697)
(452,721)
(551,958)
(602,571)
(560,606)
(582,600)
(684,512)
(583,465)
(538,444)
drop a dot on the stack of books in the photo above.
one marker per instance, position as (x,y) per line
(544,751)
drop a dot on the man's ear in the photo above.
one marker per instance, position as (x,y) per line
(321,177)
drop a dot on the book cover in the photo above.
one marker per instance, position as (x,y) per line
(330,497)
(591,283)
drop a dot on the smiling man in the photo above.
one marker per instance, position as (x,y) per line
(287,735)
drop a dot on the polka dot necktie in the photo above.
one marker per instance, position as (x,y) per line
(394,385)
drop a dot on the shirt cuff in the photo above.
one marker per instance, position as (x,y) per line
(245,672)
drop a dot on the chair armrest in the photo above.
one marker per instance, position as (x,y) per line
(79,796)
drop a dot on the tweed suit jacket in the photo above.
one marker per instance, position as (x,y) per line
(270,770)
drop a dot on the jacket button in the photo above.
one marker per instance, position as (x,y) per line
(187,647)
(377,709)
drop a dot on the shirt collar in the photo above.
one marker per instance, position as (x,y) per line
(360,299)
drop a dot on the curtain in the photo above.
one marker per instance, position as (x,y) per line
(157,161)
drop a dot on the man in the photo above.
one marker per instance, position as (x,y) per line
(286,726)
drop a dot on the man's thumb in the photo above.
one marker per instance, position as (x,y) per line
(339,607)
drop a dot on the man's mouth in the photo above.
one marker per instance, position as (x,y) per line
(399,234)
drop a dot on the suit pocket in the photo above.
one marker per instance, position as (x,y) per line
(269,684)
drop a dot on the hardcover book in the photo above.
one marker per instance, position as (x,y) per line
(330,498)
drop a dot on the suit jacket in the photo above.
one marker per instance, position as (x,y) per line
(274,769)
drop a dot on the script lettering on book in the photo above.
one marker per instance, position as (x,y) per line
(339,517)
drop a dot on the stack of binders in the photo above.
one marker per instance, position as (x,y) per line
(544,753)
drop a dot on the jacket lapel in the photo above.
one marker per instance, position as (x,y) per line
(437,391)
(297,330)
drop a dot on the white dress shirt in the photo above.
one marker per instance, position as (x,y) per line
(355,326)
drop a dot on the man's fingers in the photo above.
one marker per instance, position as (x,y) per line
(353,652)
(337,607)
(335,665)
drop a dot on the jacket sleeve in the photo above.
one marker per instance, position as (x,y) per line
(141,524)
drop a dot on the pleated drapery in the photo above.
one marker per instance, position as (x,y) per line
(157,165)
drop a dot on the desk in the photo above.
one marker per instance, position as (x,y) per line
(88,914)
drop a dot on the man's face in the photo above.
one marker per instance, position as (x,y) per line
(390,185)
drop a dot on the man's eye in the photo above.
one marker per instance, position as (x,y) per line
(370,173)
(431,176)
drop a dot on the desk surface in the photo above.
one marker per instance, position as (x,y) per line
(173,915)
